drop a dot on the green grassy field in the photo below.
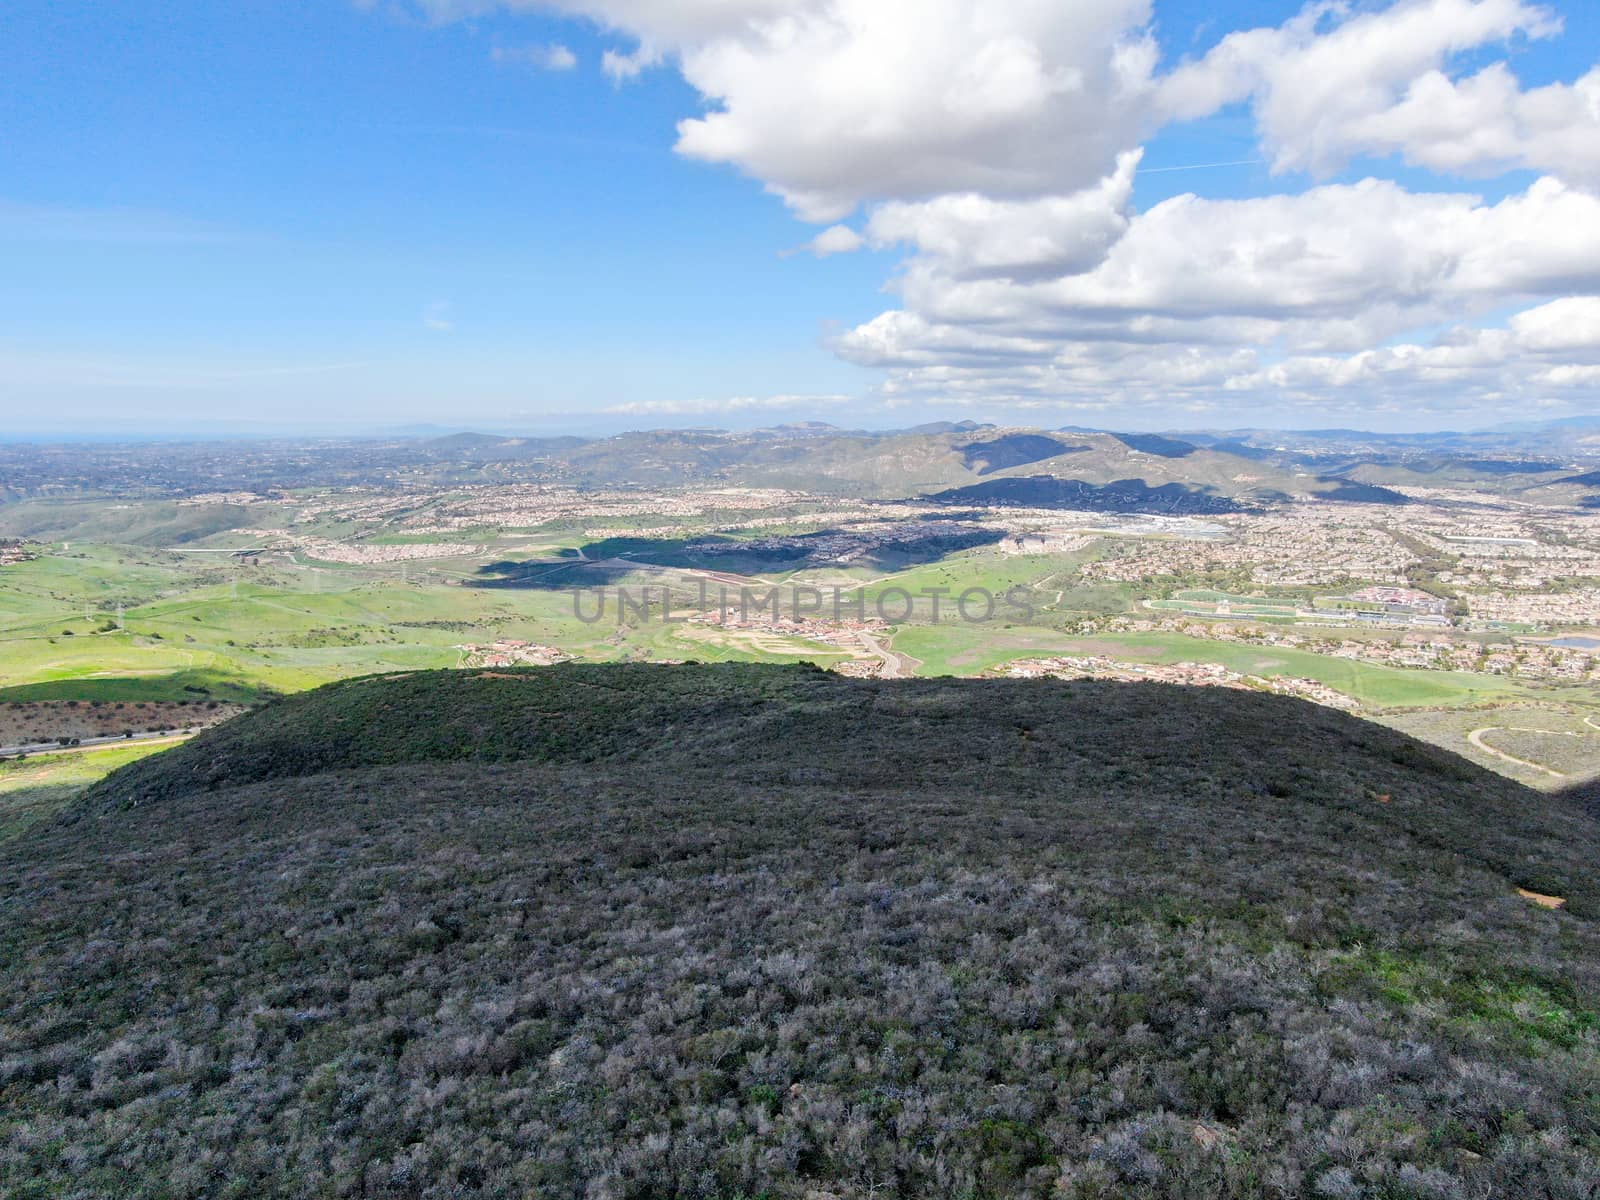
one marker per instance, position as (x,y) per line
(1043,576)
(966,649)
(193,626)
(36,787)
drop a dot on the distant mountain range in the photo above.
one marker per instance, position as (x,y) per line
(1202,471)
(967,462)
(1568,440)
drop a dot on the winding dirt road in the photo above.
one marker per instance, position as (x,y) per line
(895,664)
(1476,738)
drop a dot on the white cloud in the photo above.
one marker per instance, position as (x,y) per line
(1570,376)
(833,103)
(1370,255)
(672,25)
(1282,292)
(1377,84)
(972,236)
(1493,362)
(554,57)
(996,141)
(835,239)
(620,67)
(1572,324)
(1485,124)
(842,102)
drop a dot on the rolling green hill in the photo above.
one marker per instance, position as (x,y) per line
(742,931)
(147,523)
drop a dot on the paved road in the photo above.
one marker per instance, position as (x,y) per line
(92,743)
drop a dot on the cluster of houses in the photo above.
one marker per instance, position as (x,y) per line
(1191,673)
(16,550)
(1528,658)
(512,652)
(1402,600)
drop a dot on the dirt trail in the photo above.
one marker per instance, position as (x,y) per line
(895,664)
(1476,738)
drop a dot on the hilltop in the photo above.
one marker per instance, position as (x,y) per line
(743,931)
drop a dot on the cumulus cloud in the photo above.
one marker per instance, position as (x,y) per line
(996,143)
(835,239)
(1370,258)
(832,103)
(972,236)
(1572,324)
(1198,294)
(1536,350)
(669,25)
(554,57)
(1485,124)
(1570,376)
(861,100)
(1378,84)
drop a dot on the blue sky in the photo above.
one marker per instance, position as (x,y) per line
(294,215)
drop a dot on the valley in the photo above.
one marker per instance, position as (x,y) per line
(1470,593)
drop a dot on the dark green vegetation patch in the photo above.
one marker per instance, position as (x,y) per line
(601,932)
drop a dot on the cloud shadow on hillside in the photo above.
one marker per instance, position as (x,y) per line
(611,560)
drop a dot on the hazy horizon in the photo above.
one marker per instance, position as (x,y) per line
(570,425)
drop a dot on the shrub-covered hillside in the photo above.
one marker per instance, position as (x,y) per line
(739,931)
